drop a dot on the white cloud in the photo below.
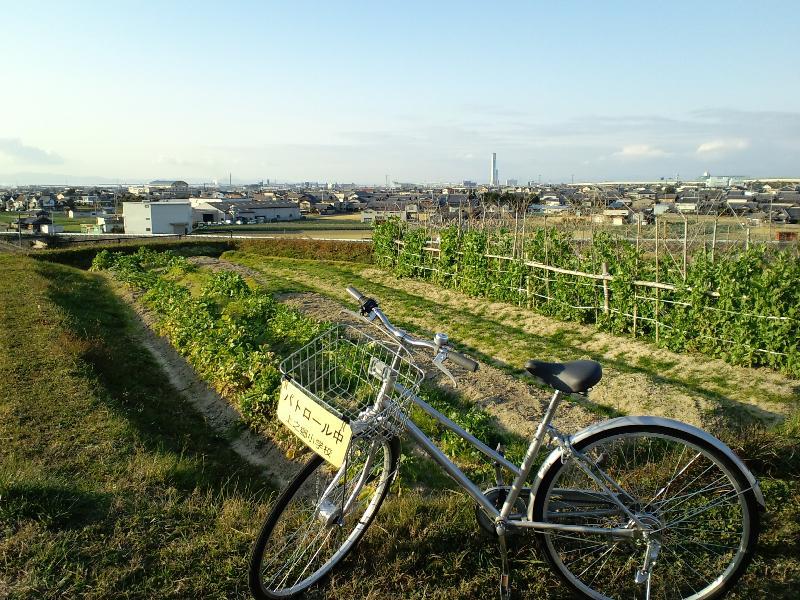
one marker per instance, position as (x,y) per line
(637,151)
(15,150)
(722,146)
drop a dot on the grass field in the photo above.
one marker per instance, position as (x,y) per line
(111,486)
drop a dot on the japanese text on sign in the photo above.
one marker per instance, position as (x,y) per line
(323,432)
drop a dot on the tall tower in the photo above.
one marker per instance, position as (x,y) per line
(493,180)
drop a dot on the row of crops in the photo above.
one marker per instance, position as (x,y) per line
(231,333)
(742,306)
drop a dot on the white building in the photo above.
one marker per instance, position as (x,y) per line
(149,218)
(493,179)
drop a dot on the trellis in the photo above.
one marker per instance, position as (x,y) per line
(662,308)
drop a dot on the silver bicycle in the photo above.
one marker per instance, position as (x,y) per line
(633,507)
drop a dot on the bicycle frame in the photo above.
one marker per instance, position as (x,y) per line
(521,473)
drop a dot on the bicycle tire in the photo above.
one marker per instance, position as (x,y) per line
(714,541)
(297,508)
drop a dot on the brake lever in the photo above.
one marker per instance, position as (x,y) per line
(355,315)
(441,356)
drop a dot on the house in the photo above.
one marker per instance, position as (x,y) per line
(110,224)
(33,223)
(383,210)
(88,200)
(150,218)
(170,189)
(206,212)
(613,216)
(78,214)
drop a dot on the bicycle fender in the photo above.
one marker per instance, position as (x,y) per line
(620,422)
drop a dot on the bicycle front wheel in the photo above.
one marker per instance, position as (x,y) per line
(696,504)
(320,517)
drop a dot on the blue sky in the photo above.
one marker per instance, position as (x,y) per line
(419,91)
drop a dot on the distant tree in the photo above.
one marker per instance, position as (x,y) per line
(670,189)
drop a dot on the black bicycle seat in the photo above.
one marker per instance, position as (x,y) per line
(574,377)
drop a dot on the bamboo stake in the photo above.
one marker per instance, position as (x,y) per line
(713,240)
(685,244)
(657,290)
(546,260)
(605,288)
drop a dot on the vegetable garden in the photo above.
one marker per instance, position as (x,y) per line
(741,306)
(235,335)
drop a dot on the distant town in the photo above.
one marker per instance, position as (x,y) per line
(175,207)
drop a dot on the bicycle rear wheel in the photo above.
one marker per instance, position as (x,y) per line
(318,519)
(696,502)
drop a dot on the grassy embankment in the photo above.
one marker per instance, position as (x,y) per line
(113,487)
(423,554)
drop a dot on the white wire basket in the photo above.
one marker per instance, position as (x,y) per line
(343,370)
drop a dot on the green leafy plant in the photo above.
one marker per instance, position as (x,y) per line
(741,306)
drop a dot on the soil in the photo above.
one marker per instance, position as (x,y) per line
(218,413)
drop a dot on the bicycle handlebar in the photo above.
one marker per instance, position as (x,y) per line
(465,362)
(370,306)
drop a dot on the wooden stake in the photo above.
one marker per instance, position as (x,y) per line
(605,288)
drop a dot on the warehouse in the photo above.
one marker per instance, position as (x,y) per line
(266,211)
(151,218)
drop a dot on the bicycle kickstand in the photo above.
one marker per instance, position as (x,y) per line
(505,576)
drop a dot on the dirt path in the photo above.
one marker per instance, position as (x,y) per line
(219,414)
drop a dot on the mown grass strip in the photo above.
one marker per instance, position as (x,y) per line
(111,486)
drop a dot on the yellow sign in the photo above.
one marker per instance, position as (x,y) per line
(323,432)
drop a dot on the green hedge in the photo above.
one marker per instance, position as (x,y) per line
(752,284)
(83,255)
(360,252)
